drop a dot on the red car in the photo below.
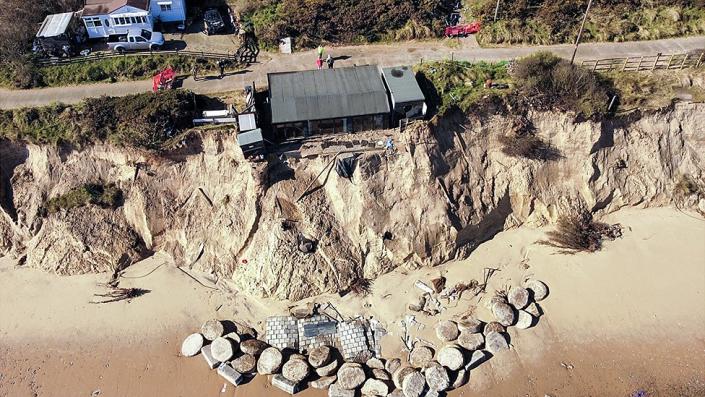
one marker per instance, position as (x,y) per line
(462,30)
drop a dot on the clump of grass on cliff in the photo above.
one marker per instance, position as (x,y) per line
(579,232)
(542,81)
(552,83)
(143,120)
(461,84)
(104,196)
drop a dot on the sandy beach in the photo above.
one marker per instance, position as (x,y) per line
(628,318)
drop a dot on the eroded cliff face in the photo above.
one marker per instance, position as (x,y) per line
(447,188)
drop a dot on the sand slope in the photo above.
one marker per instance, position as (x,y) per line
(630,317)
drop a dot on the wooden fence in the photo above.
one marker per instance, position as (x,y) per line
(95,56)
(647,63)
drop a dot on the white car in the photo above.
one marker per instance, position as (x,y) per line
(136,39)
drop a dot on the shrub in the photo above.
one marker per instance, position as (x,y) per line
(108,196)
(687,186)
(361,286)
(579,232)
(557,21)
(553,83)
(346,21)
(528,146)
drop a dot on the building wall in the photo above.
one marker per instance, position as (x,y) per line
(117,22)
(331,126)
(168,10)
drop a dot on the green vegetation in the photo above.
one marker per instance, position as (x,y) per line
(312,22)
(145,121)
(104,70)
(655,90)
(108,196)
(459,84)
(550,82)
(542,81)
(557,21)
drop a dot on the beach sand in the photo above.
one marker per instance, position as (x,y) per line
(628,318)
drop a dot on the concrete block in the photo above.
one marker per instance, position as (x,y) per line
(229,373)
(285,384)
(208,356)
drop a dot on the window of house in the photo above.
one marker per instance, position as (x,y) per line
(93,22)
(165,7)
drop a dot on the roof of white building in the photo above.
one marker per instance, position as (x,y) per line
(101,7)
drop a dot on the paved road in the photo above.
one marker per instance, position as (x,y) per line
(384,55)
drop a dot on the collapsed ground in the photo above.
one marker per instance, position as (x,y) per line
(492,159)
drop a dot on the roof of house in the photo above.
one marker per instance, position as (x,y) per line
(402,84)
(99,7)
(55,24)
(327,94)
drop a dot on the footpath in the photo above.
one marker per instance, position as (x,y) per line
(409,53)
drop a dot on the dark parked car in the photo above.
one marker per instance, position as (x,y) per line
(212,22)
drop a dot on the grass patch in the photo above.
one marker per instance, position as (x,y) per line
(542,81)
(27,75)
(581,233)
(461,84)
(145,120)
(550,82)
(104,196)
(654,90)
(557,21)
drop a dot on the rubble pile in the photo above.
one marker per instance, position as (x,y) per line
(343,356)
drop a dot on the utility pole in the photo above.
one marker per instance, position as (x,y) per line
(580,33)
(496,10)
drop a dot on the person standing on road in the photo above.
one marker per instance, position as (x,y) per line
(329,61)
(319,63)
(320,52)
(194,71)
(221,66)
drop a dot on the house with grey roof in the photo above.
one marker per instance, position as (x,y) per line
(349,99)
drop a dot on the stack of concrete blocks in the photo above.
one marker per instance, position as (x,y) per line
(316,331)
(353,338)
(285,384)
(230,374)
(376,340)
(282,332)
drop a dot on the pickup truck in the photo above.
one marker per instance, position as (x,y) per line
(136,39)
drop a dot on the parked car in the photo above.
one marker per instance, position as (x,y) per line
(136,39)
(462,30)
(213,22)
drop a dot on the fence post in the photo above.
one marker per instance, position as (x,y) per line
(638,68)
(658,56)
(700,59)
(594,68)
(685,58)
(669,61)
(624,66)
